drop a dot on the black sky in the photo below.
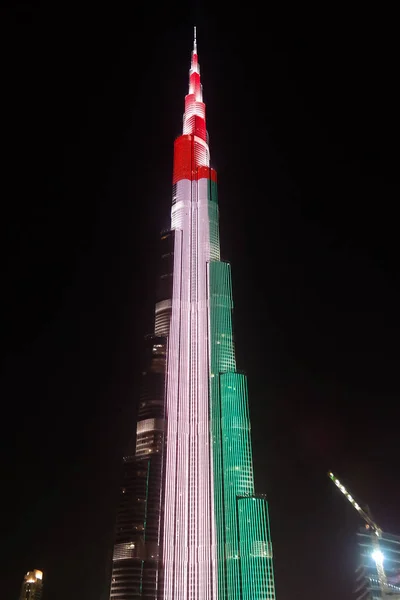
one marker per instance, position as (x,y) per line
(302,109)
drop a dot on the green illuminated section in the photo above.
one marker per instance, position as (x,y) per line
(213,217)
(221,336)
(237,468)
(244,551)
(232,460)
(222,359)
(255,549)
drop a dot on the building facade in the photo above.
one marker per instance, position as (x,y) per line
(368,583)
(136,567)
(32,586)
(190,525)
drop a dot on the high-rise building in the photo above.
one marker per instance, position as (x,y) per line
(136,564)
(32,586)
(368,582)
(189,524)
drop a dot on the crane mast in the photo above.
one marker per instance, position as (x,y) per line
(376,533)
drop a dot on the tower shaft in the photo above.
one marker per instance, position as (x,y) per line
(189,528)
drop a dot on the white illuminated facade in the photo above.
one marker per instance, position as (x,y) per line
(189,531)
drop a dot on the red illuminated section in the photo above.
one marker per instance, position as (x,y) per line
(191,153)
(194,119)
(191,160)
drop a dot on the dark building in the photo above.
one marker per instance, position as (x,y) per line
(136,555)
(32,586)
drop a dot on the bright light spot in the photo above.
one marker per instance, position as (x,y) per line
(378,557)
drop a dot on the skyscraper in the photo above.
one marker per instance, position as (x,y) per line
(190,526)
(32,586)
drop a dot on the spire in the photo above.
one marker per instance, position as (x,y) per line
(194,66)
(194,119)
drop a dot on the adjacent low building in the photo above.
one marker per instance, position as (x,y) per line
(387,551)
(32,586)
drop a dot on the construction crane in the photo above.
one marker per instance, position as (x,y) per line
(376,534)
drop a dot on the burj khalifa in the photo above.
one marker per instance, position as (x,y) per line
(189,523)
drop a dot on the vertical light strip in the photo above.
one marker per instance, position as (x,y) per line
(172,429)
(183,459)
(206,557)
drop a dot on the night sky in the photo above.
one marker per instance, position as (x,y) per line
(302,112)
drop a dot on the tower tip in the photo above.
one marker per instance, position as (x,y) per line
(194,40)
